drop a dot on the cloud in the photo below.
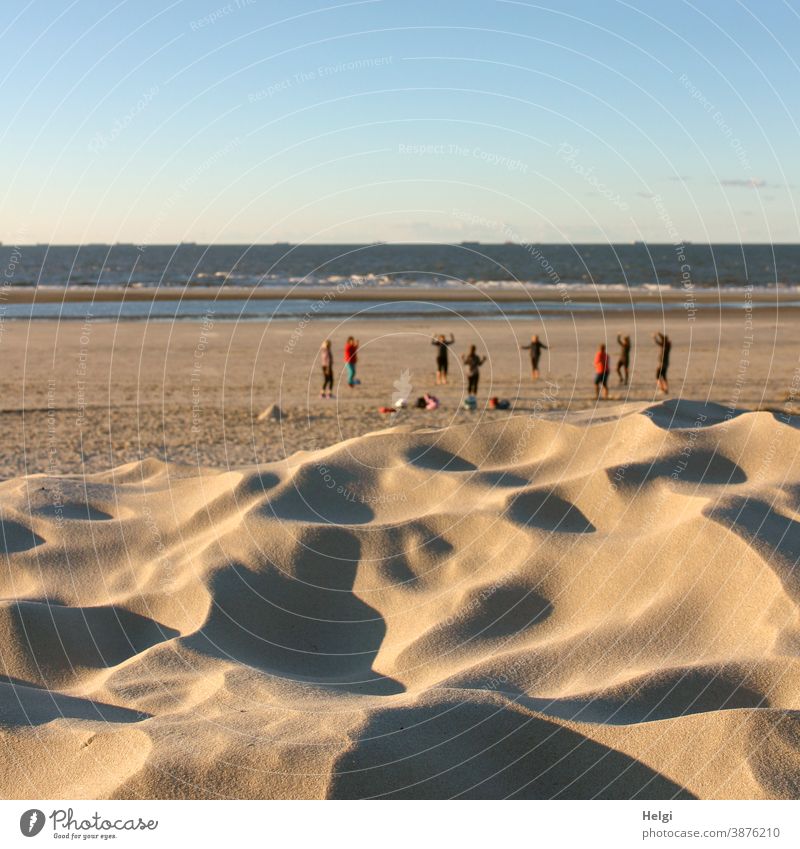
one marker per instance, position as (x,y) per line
(752,183)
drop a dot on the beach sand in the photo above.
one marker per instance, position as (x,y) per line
(570,600)
(88,396)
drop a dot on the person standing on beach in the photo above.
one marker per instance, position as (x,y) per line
(473,363)
(326,359)
(665,345)
(602,365)
(442,345)
(536,347)
(624,361)
(350,360)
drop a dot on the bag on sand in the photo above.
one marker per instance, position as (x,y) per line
(470,402)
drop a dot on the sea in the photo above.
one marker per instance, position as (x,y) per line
(469,267)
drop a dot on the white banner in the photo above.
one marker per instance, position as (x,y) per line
(400,825)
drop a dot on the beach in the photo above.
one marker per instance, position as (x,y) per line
(400,401)
(87,395)
(569,599)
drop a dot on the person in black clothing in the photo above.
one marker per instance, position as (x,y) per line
(536,347)
(326,359)
(665,345)
(624,361)
(473,363)
(442,345)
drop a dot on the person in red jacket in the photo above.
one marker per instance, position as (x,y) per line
(350,360)
(602,364)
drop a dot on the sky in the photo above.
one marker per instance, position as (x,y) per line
(259,121)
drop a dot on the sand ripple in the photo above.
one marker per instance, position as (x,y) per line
(531,608)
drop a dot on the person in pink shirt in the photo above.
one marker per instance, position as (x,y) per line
(602,364)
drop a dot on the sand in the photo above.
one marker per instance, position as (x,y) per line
(88,396)
(350,290)
(570,600)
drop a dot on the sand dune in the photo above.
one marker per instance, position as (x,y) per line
(531,607)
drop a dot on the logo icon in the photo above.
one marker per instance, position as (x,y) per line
(31,822)
(403,389)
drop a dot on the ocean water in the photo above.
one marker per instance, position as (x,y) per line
(618,266)
(235,309)
(471,265)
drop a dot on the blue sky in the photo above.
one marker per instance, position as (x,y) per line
(399,120)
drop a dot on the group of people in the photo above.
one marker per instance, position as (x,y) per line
(350,361)
(602,364)
(473,361)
